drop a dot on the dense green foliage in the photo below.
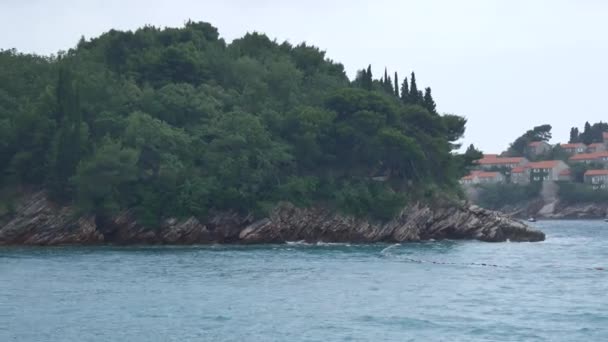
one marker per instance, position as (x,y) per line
(591,133)
(176,122)
(497,196)
(578,170)
(538,133)
(468,159)
(581,193)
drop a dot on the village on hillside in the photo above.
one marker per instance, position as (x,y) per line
(581,163)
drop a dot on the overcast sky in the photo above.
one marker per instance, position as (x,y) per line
(506,65)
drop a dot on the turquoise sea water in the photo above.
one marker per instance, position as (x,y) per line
(432,291)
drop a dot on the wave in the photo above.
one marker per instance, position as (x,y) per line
(297,243)
(384,251)
(319,243)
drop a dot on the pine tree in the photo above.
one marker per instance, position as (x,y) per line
(405,92)
(428,101)
(414,93)
(396,85)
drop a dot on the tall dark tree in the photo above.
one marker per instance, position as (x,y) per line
(587,136)
(385,75)
(364,78)
(201,123)
(574,135)
(469,158)
(369,78)
(63,93)
(415,97)
(66,151)
(592,133)
(361,78)
(538,133)
(396,85)
(388,85)
(428,101)
(386,82)
(405,92)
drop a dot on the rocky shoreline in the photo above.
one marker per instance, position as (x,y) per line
(557,210)
(39,222)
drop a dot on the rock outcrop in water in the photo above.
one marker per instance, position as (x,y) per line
(556,210)
(38,221)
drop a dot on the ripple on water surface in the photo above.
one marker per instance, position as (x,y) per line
(430,291)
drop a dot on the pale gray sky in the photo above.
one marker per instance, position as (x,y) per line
(506,65)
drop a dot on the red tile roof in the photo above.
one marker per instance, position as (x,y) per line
(490,156)
(589,156)
(566,172)
(575,145)
(547,164)
(488,174)
(490,161)
(519,169)
(605,135)
(596,145)
(481,174)
(596,173)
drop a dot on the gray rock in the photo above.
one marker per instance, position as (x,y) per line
(38,221)
(557,210)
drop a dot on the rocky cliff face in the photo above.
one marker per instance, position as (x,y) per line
(578,211)
(37,221)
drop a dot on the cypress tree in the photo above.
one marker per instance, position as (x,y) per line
(369,78)
(67,146)
(414,93)
(573,135)
(396,85)
(587,136)
(587,128)
(388,85)
(428,101)
(405,92)
(387,81)
(360,79)
(63,93)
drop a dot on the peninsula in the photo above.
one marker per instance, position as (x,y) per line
(175,136)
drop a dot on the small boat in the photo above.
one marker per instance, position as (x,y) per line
(532,219)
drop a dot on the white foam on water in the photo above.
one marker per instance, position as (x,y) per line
(297,243)
(384,251)
(321,243)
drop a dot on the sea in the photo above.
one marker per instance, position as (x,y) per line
(556,290)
